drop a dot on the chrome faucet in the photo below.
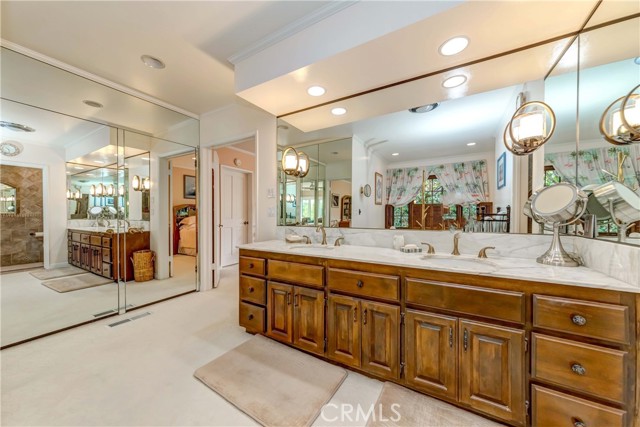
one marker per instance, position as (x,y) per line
(324,234)
(338,241)
(456,238)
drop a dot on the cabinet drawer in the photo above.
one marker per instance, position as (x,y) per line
(552,408)
(586,318)
(254,266)
(106,242)
(85,238)
(95,240)
(588,368)
(303,274)
(491,303)
(253,290)
(364,284)
(75,237)
(106,270)
(106,255)
(252,317)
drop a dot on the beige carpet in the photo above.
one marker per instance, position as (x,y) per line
(272,383)
(56,272)
(74,283)
(414,409)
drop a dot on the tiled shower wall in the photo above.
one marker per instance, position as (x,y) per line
(16,245)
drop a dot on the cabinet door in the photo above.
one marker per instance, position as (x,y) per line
(280,312)
(343,330)
(381,339)
(492,370)
(308,319)
(431,353)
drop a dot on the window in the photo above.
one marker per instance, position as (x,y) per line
(432,192)
(401,216)
(551,176)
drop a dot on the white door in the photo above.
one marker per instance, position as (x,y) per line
(234,218)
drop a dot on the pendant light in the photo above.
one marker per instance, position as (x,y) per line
(530,127)
(620,122)
(135,183)
(92,190)
(111,190)
(78,195)
(121,190)
(100,190)
(146,184)
(295,163)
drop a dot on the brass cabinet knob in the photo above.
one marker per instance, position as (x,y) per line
(251,265)
(251,289)
(578,320)
(360,283)
(578,369)
(251,317)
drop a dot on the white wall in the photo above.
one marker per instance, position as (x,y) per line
(232,123)
(341,188)
(365,213)
(52,161)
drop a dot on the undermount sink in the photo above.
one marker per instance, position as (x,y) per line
(314,246)
(457,263)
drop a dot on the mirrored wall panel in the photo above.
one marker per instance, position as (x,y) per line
(98,203)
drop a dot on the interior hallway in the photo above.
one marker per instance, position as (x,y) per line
(139,373)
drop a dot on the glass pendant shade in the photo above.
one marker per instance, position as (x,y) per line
(290,161)
(303,165)
(100,190)
(530,127)
(620,122)
(146,184)
(110,190)
(135,183)
(68,194)
(77,194)
(121,190)
(92,190)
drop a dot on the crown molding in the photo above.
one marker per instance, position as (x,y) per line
(291,29)
(87,75)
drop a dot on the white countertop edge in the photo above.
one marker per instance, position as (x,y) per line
(510,268)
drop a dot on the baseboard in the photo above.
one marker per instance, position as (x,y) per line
(59,265)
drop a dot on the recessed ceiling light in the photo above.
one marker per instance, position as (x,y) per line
(424,108)
(146,159)
(338,111)
(16,127)
(193,158)
(68,173)
(454,45)
(454,81)
(78,168)
(316,91)
(395,154)
(93,104)
(152,62)
(470,144)
(100,162)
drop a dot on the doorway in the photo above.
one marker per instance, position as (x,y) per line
(235,207)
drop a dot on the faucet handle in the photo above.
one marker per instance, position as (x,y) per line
(430,248)
(483,252)
(338,240)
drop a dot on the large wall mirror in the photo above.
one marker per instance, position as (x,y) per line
(110,182)
(438,154)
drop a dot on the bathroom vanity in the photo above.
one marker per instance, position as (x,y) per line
(97,251)
(516,341)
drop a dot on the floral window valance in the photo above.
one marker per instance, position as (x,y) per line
(465,182)
(593,163)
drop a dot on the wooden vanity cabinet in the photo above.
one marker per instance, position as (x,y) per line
(364,334)
(295,315)
(253,294)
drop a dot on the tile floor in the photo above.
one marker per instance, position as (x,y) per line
(29,309)
(140,373)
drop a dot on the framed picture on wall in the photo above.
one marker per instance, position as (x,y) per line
(335,200)
(189,190)
(501,170)
(378,189)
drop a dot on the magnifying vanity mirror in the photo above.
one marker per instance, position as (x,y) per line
(559,205)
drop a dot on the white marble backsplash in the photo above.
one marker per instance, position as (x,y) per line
(85,223)
(621,262)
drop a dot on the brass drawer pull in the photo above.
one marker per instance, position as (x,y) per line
(288,298)
(296,300)
(364,316)
(251,289)
(251,317)
(578,369)
(360,283)
(578,423)
(251,265)
(578,320)
(465,340)
(355,314)
(450,337)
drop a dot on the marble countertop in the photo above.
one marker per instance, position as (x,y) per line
(100,229)
(511,268)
